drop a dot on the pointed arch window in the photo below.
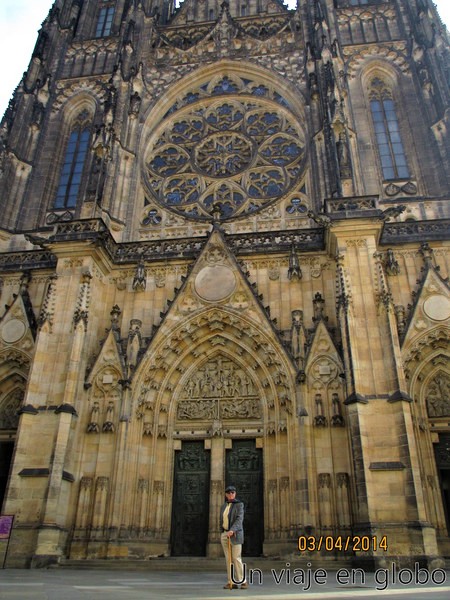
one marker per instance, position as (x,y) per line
(104,21)
(387,132)
(72,171)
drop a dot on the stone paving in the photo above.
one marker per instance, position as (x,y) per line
(87,584)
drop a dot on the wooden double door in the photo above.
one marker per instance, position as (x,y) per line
(6,453)
(442,454)
(191,496)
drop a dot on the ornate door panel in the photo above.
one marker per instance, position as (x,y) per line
(442,453)
(6,452)
(190,507)
(244,469)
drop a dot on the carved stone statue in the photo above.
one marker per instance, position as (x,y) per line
(319,305)
(140,278)
(93,426)
(400,315)
(135,104)
(108,425)
(297,337)
(294,269)
(337,420)
(391,265)
(320,419)
(134,342)
(343,156)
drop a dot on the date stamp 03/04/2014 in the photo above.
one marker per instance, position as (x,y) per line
(351,543)
(381,578)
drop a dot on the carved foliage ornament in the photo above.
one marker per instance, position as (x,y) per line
(11,355)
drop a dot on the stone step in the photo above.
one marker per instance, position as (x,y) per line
(195,563)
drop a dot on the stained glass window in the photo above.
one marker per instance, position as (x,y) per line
(70,178)
(387,132)
(104,21)
(296,206)
(229,154)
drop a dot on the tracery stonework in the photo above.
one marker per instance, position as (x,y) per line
(231,155)
(438,396)
(219,390)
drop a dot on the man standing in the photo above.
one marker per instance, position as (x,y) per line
(232,537)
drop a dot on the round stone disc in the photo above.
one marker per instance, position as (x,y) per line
(13,330)
(215,283)
(437,307)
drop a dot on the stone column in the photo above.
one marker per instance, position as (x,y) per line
(124,476)
(51,536)
(216,496)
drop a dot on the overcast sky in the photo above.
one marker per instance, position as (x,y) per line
(20,21)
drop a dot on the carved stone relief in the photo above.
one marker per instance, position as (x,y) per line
(16,357)
(9,419)
(438,396)
(219,390)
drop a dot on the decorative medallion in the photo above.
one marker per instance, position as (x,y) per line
(215,283)
(437,307)
(13,331)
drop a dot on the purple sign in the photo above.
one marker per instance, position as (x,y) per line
(6,523)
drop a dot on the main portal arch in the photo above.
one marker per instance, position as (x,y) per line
(216,407)
(221,397)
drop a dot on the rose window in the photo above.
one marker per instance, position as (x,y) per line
(227,156)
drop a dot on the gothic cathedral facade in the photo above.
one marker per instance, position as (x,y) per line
(224,258)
